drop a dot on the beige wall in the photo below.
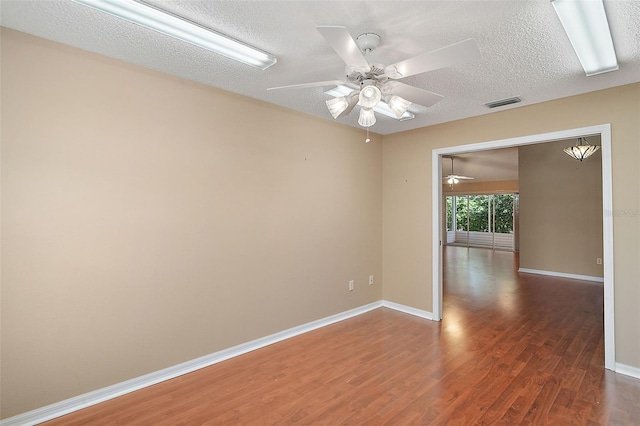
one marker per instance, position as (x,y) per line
(560,210)
(491,187)
(407,194)
(147,221)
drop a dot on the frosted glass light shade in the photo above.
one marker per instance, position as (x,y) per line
(367,117)
(452,180)
(381,108)
(337,106)
(398,105)
(370,96)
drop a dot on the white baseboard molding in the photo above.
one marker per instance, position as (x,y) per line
(562,275)
(70,405)
(408,310)
(628,370)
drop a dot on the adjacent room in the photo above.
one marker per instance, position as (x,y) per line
(301,212)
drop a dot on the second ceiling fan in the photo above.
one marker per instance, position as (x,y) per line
(452,178)
(372,84)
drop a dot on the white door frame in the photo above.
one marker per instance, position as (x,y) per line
(604,130)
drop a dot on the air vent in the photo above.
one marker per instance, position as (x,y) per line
(503,102)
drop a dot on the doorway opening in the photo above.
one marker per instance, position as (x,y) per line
(438,221)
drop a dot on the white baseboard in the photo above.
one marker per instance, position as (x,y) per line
(562,275)
(408,310)
(100,395)
(628,370)
(70,405)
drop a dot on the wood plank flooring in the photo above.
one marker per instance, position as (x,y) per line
(512,349)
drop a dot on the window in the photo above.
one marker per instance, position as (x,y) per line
(479,217)
(461,212)
(485,220)
(504,206)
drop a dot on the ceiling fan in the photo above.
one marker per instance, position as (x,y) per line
(452,178)
(374,85)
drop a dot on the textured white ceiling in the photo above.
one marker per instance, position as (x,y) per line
(525,51)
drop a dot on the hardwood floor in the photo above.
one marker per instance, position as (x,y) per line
(512,349)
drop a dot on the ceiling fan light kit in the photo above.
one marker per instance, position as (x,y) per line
(398,105)
(586,25)
(382,107)
(367,117)
(452,178)
(370,96)
(179,28)
(375,83)
(337,106)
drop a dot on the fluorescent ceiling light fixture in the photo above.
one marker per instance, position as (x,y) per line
(384,109)
(340,91)
(585,23)
(181,29)
(381,108)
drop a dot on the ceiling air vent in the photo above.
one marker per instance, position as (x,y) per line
(503,102)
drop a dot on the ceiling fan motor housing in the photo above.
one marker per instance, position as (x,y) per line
(367,82)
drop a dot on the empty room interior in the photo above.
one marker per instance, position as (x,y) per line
(342,212)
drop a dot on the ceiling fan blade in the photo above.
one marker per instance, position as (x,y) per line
(413,94)
(458,53)
(306,85)
(344,45)
(455,177)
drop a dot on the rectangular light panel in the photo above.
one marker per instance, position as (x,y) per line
(586,25)
(166,23)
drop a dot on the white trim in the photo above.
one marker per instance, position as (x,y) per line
(437,226)
(408,310)
(79,402)
(562,275)
(607,234)
(627,370)
(604,130)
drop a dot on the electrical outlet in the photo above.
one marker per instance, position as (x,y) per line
(351,285)
(370,279)
(599,261)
